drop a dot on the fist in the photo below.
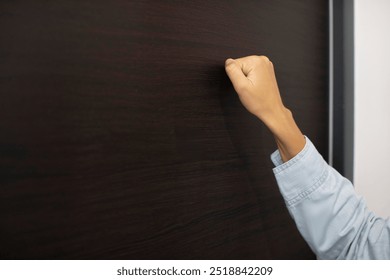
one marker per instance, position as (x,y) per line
(253,78)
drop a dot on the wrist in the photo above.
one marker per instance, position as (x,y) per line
(277,120)
(288,136)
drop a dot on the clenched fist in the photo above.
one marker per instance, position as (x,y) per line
(253,78)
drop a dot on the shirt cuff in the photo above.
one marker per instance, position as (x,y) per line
(301,175)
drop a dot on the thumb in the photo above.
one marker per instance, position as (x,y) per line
(236,76)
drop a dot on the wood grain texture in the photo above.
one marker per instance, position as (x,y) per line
(121,136)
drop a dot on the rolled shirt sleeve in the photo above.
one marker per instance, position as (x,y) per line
(331,217)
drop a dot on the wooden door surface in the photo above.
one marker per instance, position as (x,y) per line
(121,136)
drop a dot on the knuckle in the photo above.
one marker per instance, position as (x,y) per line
(264,58)
(228,66)
(228,63)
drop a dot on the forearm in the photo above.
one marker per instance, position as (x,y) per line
(288,136)
(332,219)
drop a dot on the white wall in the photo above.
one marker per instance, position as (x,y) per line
(372,103)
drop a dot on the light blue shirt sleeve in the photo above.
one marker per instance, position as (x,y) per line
(331,217)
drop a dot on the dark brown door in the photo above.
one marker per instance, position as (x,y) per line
(121,136)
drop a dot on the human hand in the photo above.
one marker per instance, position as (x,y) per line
(254,80)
